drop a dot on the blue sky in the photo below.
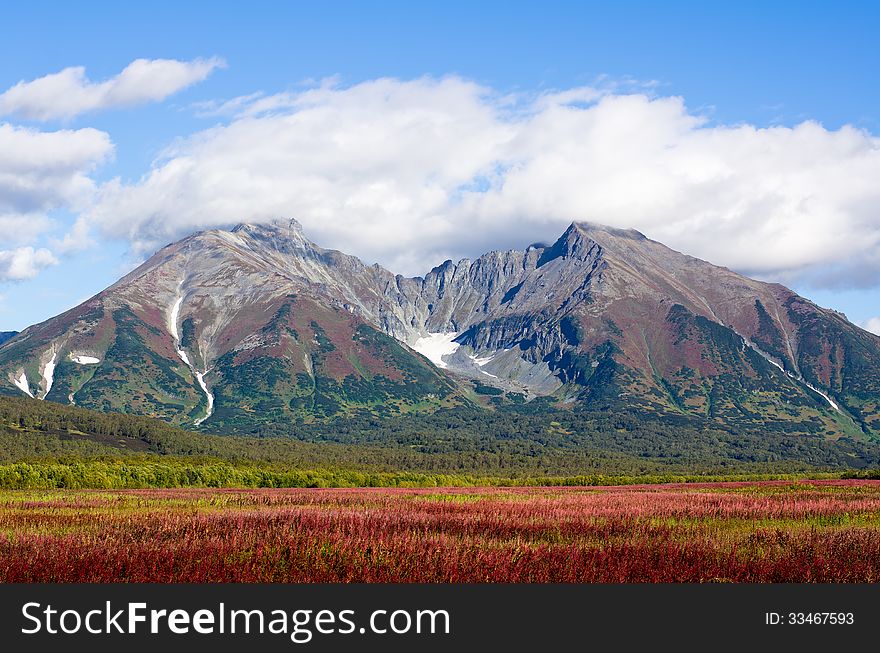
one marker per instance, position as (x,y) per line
(735,67)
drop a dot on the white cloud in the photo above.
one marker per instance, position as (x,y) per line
(69,93)
(409,172)
(41,172)
(24,263)
(872,325)
(211,108)
(19,229)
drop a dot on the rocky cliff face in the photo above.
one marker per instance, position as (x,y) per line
(232,329)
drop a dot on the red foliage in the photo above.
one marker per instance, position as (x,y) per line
(740,532)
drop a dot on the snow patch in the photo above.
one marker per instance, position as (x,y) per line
(200,377)
(806,383)
(172,327)
(22,384)
(819,392)
(173,317)
(49,374)
(480,362)
(435,346)
(85,360)
(797,378)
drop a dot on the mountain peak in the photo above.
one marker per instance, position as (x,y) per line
(277,226)
(580,238)
(593,228)
(280,234)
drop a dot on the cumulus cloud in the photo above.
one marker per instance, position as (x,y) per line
(44,170)
(18,229)
(410,172)
(41,172)
(872,325)
(24,263)
(69,93)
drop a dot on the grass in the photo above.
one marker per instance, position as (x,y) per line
(770,531)
(150,471)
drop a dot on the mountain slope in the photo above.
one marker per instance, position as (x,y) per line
(7,335)
(257,325)
(240,327)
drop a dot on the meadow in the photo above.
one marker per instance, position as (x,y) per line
(772,531)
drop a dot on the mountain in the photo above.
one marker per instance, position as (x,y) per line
(241,326)
(255,325)
(6,335)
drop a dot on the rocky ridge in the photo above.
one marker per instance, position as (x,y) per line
(235,327)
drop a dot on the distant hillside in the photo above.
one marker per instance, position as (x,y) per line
(6,335)
(510,443)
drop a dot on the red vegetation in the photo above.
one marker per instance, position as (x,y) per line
(745,532)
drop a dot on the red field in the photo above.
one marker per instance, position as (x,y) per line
(819,531)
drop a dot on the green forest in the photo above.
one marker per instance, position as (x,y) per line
(49,445)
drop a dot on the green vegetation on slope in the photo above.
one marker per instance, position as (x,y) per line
(46,445)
